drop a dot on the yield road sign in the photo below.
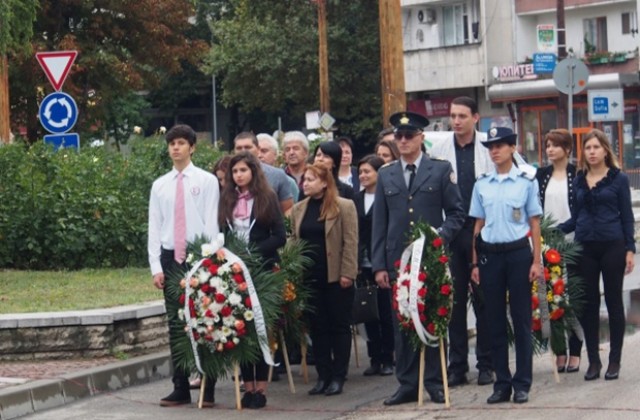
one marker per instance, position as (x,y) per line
(56,65)
(58,112)
(69,140)
(606,105)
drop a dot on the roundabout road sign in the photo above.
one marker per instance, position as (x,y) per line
(58,112)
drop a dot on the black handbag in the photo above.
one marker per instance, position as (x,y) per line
(365,305)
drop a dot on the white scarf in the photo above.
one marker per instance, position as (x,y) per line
(445,149)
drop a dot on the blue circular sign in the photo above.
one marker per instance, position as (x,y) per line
(58,112)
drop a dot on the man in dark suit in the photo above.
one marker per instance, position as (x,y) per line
(409,190)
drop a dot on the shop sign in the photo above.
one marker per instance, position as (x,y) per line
(514,72)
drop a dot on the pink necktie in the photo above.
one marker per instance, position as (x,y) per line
(241,210)
(180,223)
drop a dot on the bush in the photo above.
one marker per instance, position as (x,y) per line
(69,210)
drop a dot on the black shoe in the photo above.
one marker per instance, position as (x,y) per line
(401,397)
(247,400)
(613,371)
(386,370)
(572,369)
(437,396)
(372,370)
(561,369)
(498,397)
(520,397)
(457,379)
(485,377)
(334,388)
(259,400)
(177,397)
(208,401)
(593,372)
(319,388)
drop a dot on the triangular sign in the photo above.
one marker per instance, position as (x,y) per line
(56,65)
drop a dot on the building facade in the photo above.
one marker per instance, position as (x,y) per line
(500,53)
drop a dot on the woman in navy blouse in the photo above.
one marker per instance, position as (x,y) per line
(603,223)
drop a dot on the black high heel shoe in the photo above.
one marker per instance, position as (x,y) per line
(572,369)
(613,371)
(593,372)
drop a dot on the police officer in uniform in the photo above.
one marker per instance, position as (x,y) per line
(506,206)
(411,189)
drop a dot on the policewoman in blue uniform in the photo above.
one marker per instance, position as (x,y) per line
(507,209)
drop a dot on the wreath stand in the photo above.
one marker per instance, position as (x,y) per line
(303,362)
(445,380)
(287,364)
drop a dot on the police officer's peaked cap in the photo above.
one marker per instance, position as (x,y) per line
(500,135)
(408,121)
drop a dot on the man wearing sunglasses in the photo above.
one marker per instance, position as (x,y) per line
(412,189)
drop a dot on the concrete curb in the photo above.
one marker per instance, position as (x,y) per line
(39,395)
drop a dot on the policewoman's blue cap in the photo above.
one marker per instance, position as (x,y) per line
(500,135)
(408,121)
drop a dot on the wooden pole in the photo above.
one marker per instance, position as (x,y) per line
(391,59)
(285,355)
(445,379)
(5,125)
(554,367)
(421,378)
(202,385)
(323,57)
(236,383)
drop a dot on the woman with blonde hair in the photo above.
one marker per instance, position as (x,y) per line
(603,222)
(329,224)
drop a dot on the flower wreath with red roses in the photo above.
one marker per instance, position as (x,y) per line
(425,315)
(560,289)
(217,319)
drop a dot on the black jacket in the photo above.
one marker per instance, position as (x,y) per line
(544,174)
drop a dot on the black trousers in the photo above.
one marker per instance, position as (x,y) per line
(608,258)
(330,330)
(458,336)
(501,273)
(379,333)
(255,372)
(170,267)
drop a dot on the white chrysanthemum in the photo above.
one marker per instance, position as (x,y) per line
(216,282)
(181,314)
(223,287)
(189,258)
(215,307)
(218,335)
(403,295)
(228,321)
(226,331)
(207,249)
(236,340)
(248,315)
(202,275)
(235,299)
(224,269)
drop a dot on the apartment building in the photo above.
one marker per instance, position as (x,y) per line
(486,49)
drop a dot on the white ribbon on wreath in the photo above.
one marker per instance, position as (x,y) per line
(261,328)
(414,251)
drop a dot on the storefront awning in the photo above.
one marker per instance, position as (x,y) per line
(546,88)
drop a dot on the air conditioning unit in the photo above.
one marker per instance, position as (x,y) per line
(427,16)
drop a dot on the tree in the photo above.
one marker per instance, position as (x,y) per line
(16,17)
(266,54)
(123,46)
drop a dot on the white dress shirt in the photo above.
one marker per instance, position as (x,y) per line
(201,193)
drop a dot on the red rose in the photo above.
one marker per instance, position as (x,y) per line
(553,256)
(225,311)
(423,317)
(558,287)
(181,299)
(208,313)
(394,304)
(397,264)
(442,311)
(437,243)
(422,292)
(220,298)
(421,307)
(196,336)
(443,259)
(445,289)
(206,288)
(206,262)
(239,278)
(229,345)
(247,302)
(536,325)
(535,302)
(431,328)
(556,314)
(422,276)
(213,269)
(405,283)
(241,333)
(208,337)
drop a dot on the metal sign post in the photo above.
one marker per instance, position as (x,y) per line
(570,77)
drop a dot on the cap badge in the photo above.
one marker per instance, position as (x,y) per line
(404,119)
(493,132)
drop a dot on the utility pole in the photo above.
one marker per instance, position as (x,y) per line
(391,59)
(323,57)
(563,99)
(5,126)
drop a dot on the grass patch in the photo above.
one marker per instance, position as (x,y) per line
(52,291)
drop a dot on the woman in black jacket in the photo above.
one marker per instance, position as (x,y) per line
(250,208)
(557,198)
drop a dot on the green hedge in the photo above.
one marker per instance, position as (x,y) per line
(69,210)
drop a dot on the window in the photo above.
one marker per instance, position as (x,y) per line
(595,34)
(454,25)
(629,23)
